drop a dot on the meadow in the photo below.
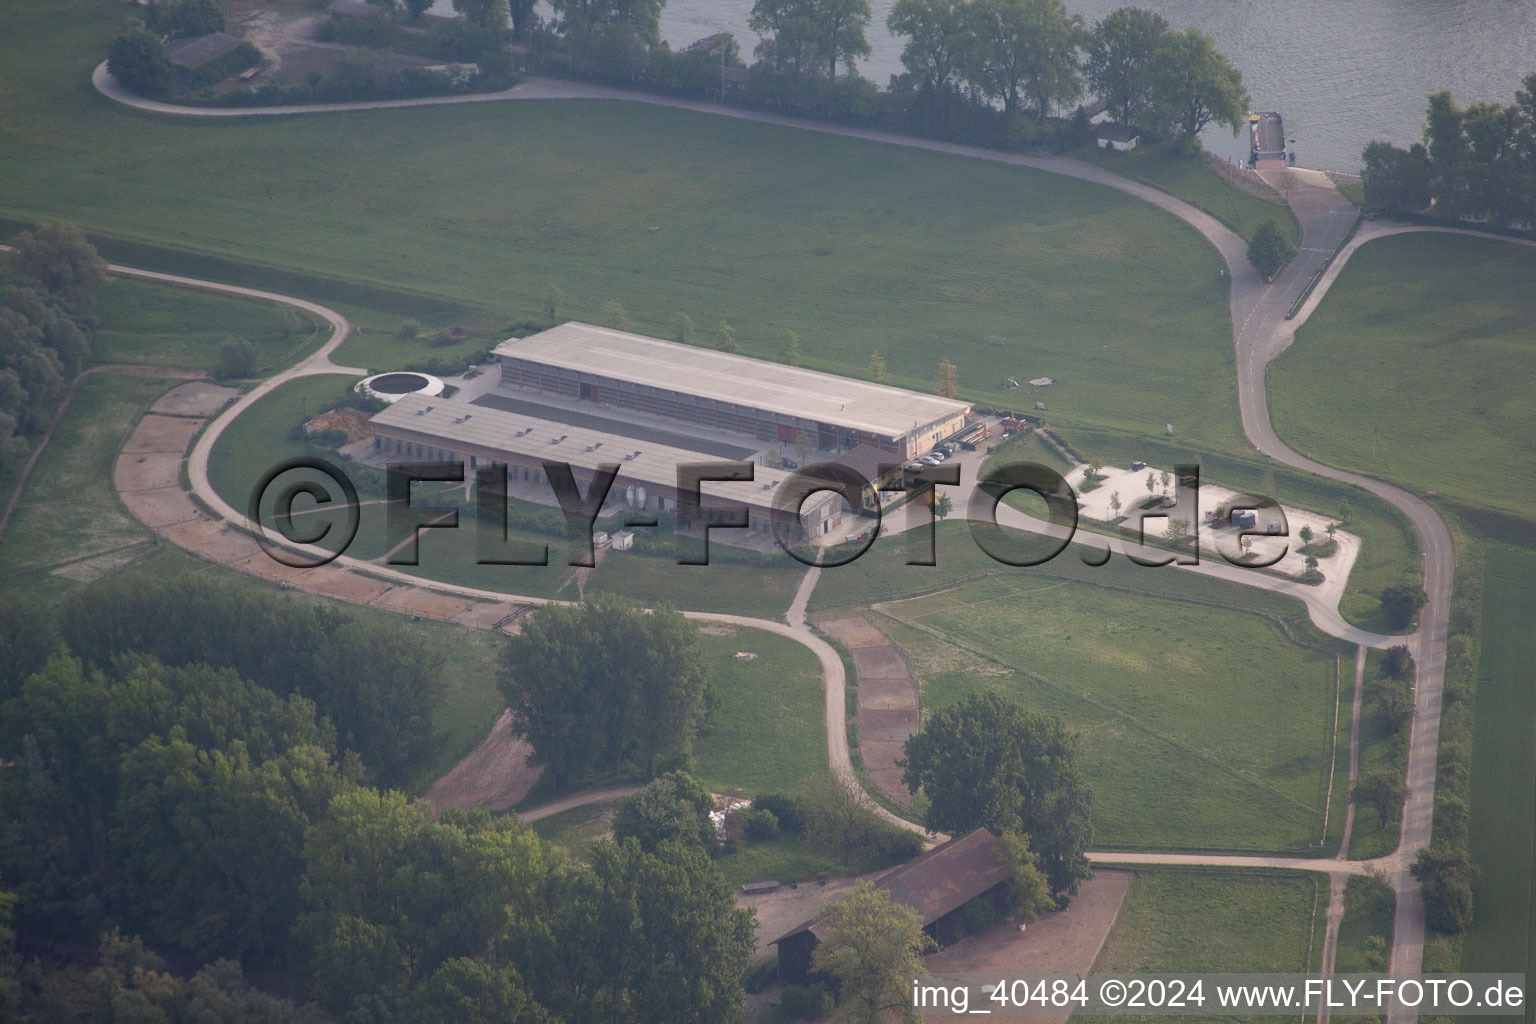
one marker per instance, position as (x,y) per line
(1419,366)
(1503,835)
(856,246)
(1215,921)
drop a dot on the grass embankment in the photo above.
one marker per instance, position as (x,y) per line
(1215,921)
(846,242)
(1193,179)
(1180,685)
(1420,367)
(1503,830)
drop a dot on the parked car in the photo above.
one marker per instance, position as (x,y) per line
(1138,466)
(789,464)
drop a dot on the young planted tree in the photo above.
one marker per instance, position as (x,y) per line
(947,383)
(876,369)
(727,336)
(615,316)
(554,302)
(683,325)
(789,351)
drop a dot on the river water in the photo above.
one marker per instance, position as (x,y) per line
(1342,72)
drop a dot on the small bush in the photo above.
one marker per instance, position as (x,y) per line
(759,825)
(805,1002)
(785,810)
(237,358)
(410,328)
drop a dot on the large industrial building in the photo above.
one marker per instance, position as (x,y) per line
(770,402)
(590,396)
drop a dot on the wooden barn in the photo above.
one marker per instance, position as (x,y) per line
(937,885)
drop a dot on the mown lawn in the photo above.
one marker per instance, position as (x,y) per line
(856,246)
(1420,367)
(1215,921)
(1202,726)
(1504,770)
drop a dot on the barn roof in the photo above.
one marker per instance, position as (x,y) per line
(1118,131)
(940,881)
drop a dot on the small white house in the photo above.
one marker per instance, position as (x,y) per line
(623,540)
(1118,135)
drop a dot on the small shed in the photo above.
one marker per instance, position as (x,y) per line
(1118,135)
(623,540)
(937,885)
(189,53)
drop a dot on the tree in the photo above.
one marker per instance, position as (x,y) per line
(1024,48)
(1029,891)
(1270,250)
(727,335)
(484,14)
(1164,479)
(523,17)
(1383,790)
(1193,85)
(1114,505)
(1177,531)
(672,808)
(288,321)
(414,9)
(653,937)
(597,685)
(988,762)
(1311,563)
(872,948)
(615,316)
(938,33)
(1400,603)
(554,299)
(947,383)
(1119,60)
(1152,482)
(58,260)
(1396,181)
(684,328)
(1330,529)
(1305,533)
(876,369)
(1394,703)
(1396,662)
(805,37)
(237,358)
(789,351)
(137,60)
(942,507)
(181,19)
(1446,877)
(581,20)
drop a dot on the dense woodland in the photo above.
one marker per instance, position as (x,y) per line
(203,773)
(46,303)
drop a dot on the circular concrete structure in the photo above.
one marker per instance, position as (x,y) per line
(391,387)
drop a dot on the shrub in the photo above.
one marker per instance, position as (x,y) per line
(137,61)
(237,358)
(410,328)
(980,916)
(804,1002)
(785,810)
(759,825)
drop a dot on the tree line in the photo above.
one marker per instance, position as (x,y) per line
(987,71)
(208,815)
(51,288)
(1476,163)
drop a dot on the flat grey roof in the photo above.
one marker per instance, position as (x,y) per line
(724,377)
(460,422)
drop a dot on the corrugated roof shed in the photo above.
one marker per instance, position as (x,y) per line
(740,380)
(940,881)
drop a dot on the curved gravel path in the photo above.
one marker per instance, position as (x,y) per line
(1260,333)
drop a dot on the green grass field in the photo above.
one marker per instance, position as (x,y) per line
(1195,181)
(1420,367)
(145,322)
(1204,725)
(1215,921)
(1504,770)
(1365,934)
(851,244)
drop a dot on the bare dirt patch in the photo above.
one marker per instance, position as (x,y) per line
(162,434)
(199,398)
(888,711)
(160,507)
(416,601)
(496,775)
(353,422)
